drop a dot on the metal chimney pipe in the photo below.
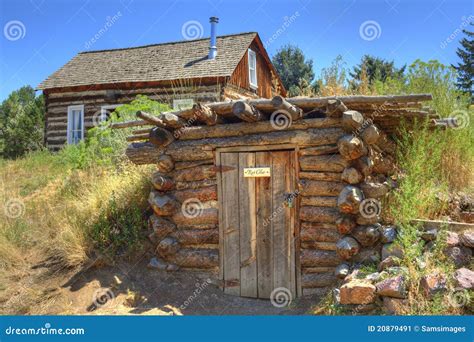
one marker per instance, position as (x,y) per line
(213,47)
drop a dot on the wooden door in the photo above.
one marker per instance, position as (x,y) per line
(256,223)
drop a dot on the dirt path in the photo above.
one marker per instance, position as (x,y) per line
(135,289)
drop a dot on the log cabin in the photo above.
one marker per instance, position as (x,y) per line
(85,90)
(276,197)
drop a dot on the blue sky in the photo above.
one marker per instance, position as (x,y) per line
(39,36)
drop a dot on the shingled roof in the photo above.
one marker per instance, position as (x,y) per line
(159,62)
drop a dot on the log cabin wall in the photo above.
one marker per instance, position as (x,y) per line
(57,104)
(240,77)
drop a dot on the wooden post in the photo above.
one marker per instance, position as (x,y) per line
(246,112)
(160,137)
(280,103)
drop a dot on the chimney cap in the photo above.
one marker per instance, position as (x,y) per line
(213,19)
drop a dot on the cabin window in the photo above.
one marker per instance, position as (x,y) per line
(105,111)
(253,69)
(75,124)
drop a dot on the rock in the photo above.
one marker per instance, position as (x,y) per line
(157,263)
(467,239)
(429,234)
(366,235)
(391,249)
(367,256)
(336,296)
(433,284)
(168,246)
(349,200)
(347,247)
(388,262)
(342,271)
(363,221)
(357,292)
(351,175)
(395,306)
(355,274)
(373,277)
(172,267)
(345,224)
(464,278)
(374,190)
(392,287)
(389,234)
(452,239)
(460,255)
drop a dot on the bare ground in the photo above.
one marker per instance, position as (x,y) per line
(132,288)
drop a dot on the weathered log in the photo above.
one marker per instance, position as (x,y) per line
(161,182)
(323,269)
(205,114)
(280,103)
(189,164)
(189,217)
(162,205)
(143,153)
(319,188)
(165,163)
(204,194)
(190,154)
(352,120)
(141,131)
(312,258)
(246,112)
(370,134)
(386,144)
(138,137)
(321,176)
(196,236)
(318,279)
(319,214)
(244,128)
(161,137)
(373,218)
(183,149)
(383,164)
(309,233)
(321,245)
(330,162)
(366,235)
(196,258)
(197,226)
(151,119)
(335,108)
(319,201)
(351,175)
(195,184)
(347,247)
(345,224)
(317,225)
(161,227)
(364,165)
(351,147)
(167,247)
(318,150)
(374,190)
(350,199)
(196,173)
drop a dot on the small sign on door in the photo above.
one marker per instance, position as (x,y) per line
(256,172)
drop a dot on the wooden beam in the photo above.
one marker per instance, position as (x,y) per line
(280,103)
(246,112)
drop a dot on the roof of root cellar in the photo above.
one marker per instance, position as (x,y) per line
(387,112)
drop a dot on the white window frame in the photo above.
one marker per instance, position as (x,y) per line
(70,122)
(252,57)
(103,111)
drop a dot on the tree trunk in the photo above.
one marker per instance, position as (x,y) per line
(162,205)
(351,147)
(161,182)
(319,188)
(330,163)
(349,200)
(312,258)
(194,214)
(161,137)
(352,120)
(197,173)
(204,194)
(319,201)
(196,258)
(246,112)
(319,214)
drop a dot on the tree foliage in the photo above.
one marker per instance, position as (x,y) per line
(465,68)
(21,123)
(375,69)
(294,68)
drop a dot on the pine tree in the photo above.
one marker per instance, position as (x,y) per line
(465,68)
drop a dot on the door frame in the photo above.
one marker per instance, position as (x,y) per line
(296,228)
